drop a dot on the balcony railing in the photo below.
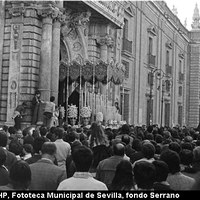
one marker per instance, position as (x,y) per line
(152,60)
(181,77)
(127,45)
(168,69)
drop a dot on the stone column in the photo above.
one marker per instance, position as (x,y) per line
(46,58)
(2,14)
(55,55)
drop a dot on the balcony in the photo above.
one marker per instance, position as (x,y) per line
(181,77)
(168,69)
(127,45)
(152,60)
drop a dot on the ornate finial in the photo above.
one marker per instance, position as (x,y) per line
(185,22)
(196,18)
(174,10)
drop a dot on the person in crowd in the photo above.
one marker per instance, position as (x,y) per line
(174,146)
(186,158)
(5,128)
(125,130)
(10,157)
(4,174)
(45,174)
(137,146)
(97,136)
(27,151)
(51,134)
(82,179)
(55,116)
(63,148)
(162,171)
(43,132)
(106,168)
(37,146)
(196,161)
(49,110)
(35,107)
(123,179)
(129,151)
(98,142)
(28,135)
(148,151)
(17,148)
(19,113)
(70,166)
(176,179)
(61,115)
(144,175)
(19,177)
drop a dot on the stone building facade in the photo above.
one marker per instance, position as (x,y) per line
(48,45)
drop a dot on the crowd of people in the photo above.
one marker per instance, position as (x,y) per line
(66,156)
(99,158)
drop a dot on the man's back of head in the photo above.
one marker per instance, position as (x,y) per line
(43,130)
(48,148)
(3,139)
(118,149)
(59,132)
(82,157)
(126,139)
(144,173)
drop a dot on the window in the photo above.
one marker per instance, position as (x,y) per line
(168,85)
(167,58)
(180,115)
(180,66)
(180,91)
(126,66)
(125,29)
(150,78)
(150,46)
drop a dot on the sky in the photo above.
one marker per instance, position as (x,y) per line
(185,9)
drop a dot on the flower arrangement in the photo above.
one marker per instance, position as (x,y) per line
(72,111)
(99,116)
(85,112)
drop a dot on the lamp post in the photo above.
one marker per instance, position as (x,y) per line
(167,83)
(158,73)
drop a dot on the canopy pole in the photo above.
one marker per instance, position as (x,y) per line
(67,93)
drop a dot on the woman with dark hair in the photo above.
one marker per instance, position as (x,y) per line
(20,177)
(123,179)
(99,144)
(97,136)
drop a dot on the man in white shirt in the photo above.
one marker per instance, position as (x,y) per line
(82,179)
(63,148)
(49,110)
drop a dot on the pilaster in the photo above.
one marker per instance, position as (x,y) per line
(13,98)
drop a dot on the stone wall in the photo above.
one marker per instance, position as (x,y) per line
(21,59)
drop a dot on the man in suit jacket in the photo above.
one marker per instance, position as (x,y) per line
(45,174)
(10,157)
(106,168)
